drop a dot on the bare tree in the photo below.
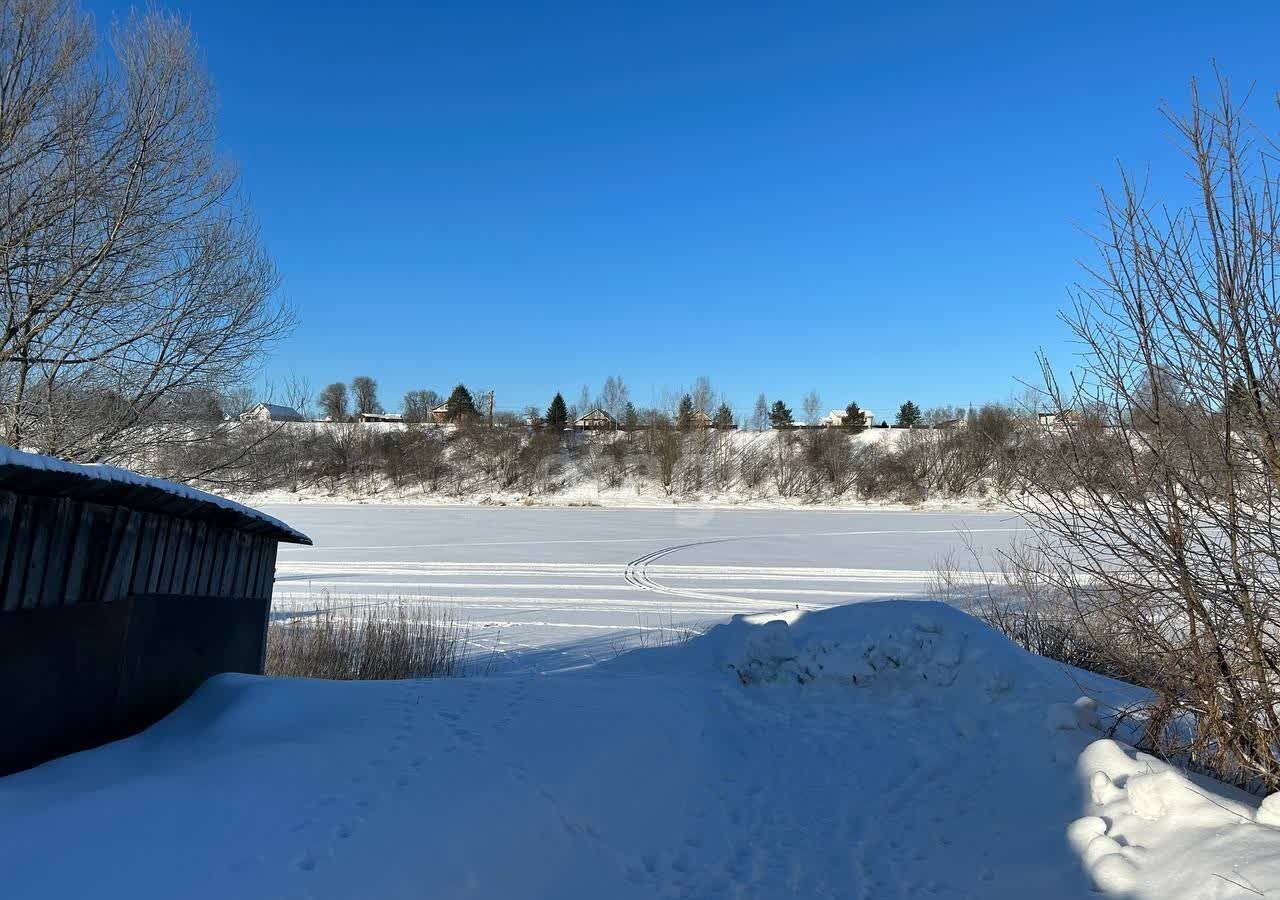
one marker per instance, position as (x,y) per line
(615,397)
(334,402)
(760,414)
(812,405)
(132,274)
(417,405)
(1157,488)
(364,394)
(296,391)
(703,395)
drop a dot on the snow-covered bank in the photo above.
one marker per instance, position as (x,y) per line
(583,496)
(871,751)
(710,470)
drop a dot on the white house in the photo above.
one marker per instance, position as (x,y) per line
(271,412)
(835,419)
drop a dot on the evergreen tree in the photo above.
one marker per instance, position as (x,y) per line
(780,415)
(557,413)
(854,418)
(630,417)
(723,418)
(909,415)
(1239,403)
(684,418)
(460,406)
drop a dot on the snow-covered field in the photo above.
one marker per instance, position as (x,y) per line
(875,750)
(546,588)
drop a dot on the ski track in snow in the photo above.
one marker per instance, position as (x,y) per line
(553,580)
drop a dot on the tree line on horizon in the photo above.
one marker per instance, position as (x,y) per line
(341,402)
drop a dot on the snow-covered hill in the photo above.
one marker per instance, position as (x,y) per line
(885,750)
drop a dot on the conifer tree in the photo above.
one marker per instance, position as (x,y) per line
(684,417)
(908,415)
(557,413)
(854,418)
(780,415)
(460,406)
(1239,403)
(723,418)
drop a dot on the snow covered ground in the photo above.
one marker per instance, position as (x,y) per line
(547,588)
(875,750)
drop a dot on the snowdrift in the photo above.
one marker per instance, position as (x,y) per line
(880,750)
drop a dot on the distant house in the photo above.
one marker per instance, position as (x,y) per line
(381,417)
(699,419)
(596,420)
(949,424)
(440,415)
(1058,419)
(835,419)
(271,412)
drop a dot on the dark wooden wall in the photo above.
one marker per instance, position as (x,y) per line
(56,551)
(112,617)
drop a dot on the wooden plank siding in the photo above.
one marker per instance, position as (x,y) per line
(59,551)
(117,601)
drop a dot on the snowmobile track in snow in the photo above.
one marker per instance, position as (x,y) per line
(636,574)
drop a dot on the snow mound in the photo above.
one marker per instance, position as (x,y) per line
(891,645)
(920,652)
(1154,831)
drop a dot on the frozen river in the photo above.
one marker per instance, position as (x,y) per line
(548,587)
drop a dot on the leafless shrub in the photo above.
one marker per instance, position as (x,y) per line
(342,642)
(1035,613)
(723,457)
(787,466)
(538,462)
(1161,488)
(832,460)
(666,449)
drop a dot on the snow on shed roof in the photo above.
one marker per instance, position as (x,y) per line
(33,473)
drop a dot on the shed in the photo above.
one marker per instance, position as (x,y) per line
(119,595)
(392,418)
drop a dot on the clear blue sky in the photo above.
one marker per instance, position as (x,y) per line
(881,202)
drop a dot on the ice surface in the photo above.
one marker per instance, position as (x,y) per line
(551,588)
